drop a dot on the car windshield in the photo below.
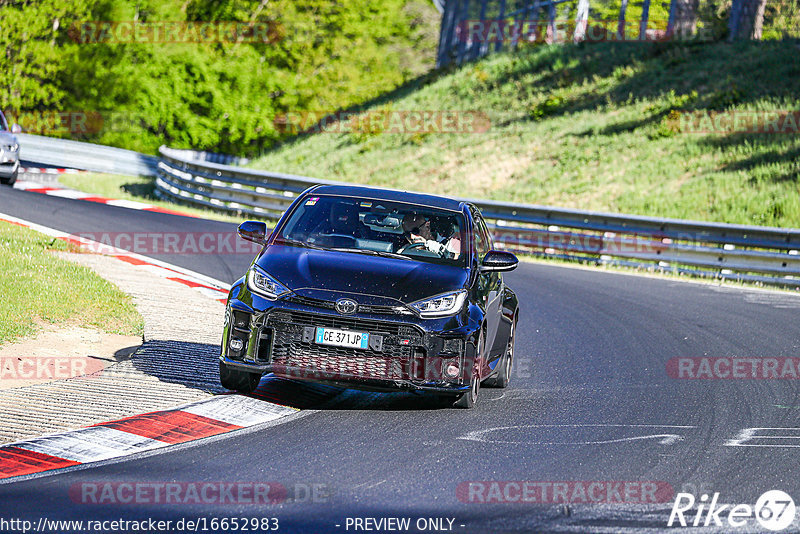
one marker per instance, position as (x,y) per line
(3,123)
(378,228)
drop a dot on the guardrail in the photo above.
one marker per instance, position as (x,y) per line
(70,154)
(738,252)
(87,156)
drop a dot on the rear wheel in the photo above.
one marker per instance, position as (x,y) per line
(235,380)
(504,372)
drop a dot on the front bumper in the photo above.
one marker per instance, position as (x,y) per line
(351,382)
(8,168)
(405,353)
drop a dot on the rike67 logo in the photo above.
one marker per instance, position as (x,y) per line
(774,510)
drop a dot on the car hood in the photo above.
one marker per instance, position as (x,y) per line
(315,273)
(7,138)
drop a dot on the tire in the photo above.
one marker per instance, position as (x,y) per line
(504,373)
(236,380)
(469,399)
(10,180)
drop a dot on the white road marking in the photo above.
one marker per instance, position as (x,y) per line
(128,204)
(750,434)
(664,439)
(68,193)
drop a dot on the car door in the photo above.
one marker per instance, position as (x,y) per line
(489,288)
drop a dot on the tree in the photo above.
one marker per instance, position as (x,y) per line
(36,51)
(685,17)
(747,19)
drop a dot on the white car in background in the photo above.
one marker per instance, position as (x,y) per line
(9,151)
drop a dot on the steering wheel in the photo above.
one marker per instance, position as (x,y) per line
(443,253)
(411,246)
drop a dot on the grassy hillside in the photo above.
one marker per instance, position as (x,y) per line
(593,127)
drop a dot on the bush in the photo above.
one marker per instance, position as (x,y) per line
(222,96)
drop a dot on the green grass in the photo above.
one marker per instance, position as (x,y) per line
(588,127)
(139,188)
(38,286)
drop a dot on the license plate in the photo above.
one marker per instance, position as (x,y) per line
(342,338)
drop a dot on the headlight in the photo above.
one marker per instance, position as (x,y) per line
(263,284)
(441,305)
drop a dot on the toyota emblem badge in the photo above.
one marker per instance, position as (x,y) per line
(346,306)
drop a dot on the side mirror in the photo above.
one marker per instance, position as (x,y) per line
(255,231)
(16,128)
(499,261)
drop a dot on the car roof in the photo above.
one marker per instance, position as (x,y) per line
(420,199)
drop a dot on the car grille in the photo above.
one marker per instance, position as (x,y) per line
(343,362)
(346,322)
(289,348)
(362,308)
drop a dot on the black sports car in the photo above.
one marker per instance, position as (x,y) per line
(373,289)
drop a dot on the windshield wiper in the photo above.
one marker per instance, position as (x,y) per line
(299,243)
(373,253)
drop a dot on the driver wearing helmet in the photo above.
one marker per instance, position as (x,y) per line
(417,229)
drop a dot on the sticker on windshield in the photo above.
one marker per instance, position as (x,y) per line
(311,201)
(366,204)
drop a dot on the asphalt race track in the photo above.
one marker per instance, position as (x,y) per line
(590,400)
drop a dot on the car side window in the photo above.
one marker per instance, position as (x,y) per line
(483,242)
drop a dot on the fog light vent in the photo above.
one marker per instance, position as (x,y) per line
(241,321)
(265,344)
(452,346)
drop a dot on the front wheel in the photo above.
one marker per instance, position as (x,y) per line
(10,180)
(504,365)
(470,398)
(235,380)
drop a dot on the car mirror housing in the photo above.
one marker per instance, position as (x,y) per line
(16,128)
(255,231)
(499,260)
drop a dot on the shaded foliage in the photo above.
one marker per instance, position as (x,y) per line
(221,96)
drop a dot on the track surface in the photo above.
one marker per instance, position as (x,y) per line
(590,400)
